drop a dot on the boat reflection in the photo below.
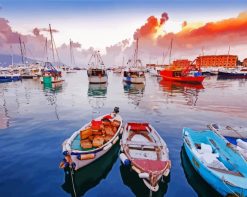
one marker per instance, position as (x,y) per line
(4,117)
(97,90)
(88,177)
(53,87)
(134,92)
(97,95)
(189,91)
(201,187)
(137,186)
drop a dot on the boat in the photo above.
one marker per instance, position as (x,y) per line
(217,161)
(92,141)
(200,186)
(77,183)
(186,75)
(235,135)
(155,71)
(146,152)
(135,73)
(97,74)
(50,74)
(8,77)
(232,73)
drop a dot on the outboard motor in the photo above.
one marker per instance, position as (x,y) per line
(116,110)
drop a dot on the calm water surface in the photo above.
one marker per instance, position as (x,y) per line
(35,120)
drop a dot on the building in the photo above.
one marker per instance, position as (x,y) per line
(229,61)
(244,62)
(183,63)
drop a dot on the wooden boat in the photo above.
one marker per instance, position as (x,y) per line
(146,152)
(135,73)
(50,74)
(92,141)
(97,74)
(217,161)
(90,176)
(235,135)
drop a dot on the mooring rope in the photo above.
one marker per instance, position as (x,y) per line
(71,174)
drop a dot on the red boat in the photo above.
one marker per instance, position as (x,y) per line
(182,76)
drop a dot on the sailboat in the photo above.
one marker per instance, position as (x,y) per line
(72,59)
(135,73)
(50,74)
(96,73)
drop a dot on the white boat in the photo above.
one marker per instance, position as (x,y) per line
(97,73)
(146,152)
(155,71)
(235,135)
(136,72)
(92,141)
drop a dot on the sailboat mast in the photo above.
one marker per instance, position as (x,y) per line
(22,58)
(53,55)
(170,54)
(70,50)
(46,49)
(228,56)
(12,58)
(136,53)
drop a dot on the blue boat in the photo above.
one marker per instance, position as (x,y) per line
(217,162)
(9,78)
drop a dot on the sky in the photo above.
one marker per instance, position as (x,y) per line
(110,24)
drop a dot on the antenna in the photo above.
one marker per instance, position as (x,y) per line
(22,58)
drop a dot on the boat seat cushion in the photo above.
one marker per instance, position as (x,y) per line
(147,165)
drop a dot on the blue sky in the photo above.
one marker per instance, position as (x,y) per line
(101,23)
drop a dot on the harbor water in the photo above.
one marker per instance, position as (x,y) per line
(35,119)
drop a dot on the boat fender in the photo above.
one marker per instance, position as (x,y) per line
(73,165)
(86,156)
(166,173)
(242,144)
(107,146)
(121,131)
(136,169)
(115,140)
(144,175)
(124,159)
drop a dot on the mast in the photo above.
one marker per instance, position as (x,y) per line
(46,49)
(170,54)
(228,56)
(136,53)
(53,55)
(22,58)
(12,57)
(201,58)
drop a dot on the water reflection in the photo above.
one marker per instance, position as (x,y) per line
(91,175)
(51,91)
(190,92)
(201,187)
(132,180)
(97,96)
(134,92)
(4,117)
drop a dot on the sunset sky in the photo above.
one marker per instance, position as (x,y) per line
(105,24)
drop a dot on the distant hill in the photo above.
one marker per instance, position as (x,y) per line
(5,60)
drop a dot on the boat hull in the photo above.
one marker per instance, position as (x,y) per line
(4,79)
(49,79)
(226,75)
(97,79)
(214,181)
(134,80)
(185,79)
